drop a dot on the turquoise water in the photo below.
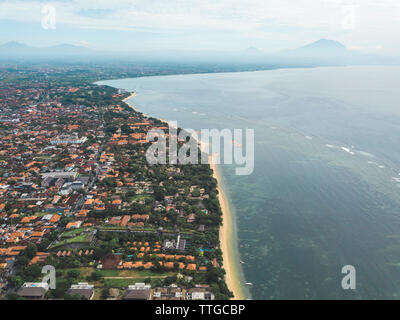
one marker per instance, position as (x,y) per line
(325,191)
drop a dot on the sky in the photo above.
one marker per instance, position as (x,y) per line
(202,25)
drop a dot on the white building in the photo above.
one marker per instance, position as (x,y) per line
(65,139)
(139,286)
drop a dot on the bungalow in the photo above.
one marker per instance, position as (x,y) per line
(65,139)
(33,291)
(74,225)
(82,289)
(199,294)
(173,292)
(139,291)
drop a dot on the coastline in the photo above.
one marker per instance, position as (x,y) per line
(232,276)
(132,94)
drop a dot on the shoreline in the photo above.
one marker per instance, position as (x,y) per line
(232,276)
(132,94)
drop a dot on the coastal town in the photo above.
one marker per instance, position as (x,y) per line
(77,194)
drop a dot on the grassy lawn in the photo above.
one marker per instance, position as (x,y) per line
(118,278)
(141,197)
(137,276)
(110,273)
(122,282)
(143,229)
(78,239)
(150,274)
(40,214)
(85,271)
(71,233)
(111,227)
(134,273)
(106,227)
(97,294)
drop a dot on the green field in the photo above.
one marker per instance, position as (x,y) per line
(118,278)
(78,239)
(73,232)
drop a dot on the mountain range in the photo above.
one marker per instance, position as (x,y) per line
(16,48)
(321,52)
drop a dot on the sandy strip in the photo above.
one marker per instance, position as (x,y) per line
(127,98)
(133,94)
(232,277)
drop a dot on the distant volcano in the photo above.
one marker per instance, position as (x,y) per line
(252,50)
(322,46)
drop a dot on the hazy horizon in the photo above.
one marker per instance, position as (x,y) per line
(225,26)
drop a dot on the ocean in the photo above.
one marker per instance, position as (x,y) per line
(325,191)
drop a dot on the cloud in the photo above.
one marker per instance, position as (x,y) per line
(353,21)
(233,15)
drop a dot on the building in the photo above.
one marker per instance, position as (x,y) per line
(69,187)
(82,289)
(180,244)
(168,244)
(68,176)
(66,189)
(33,291)
(46,182)
(67,139)
(139,291)
(173,292)
(74,225)
(199,294)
